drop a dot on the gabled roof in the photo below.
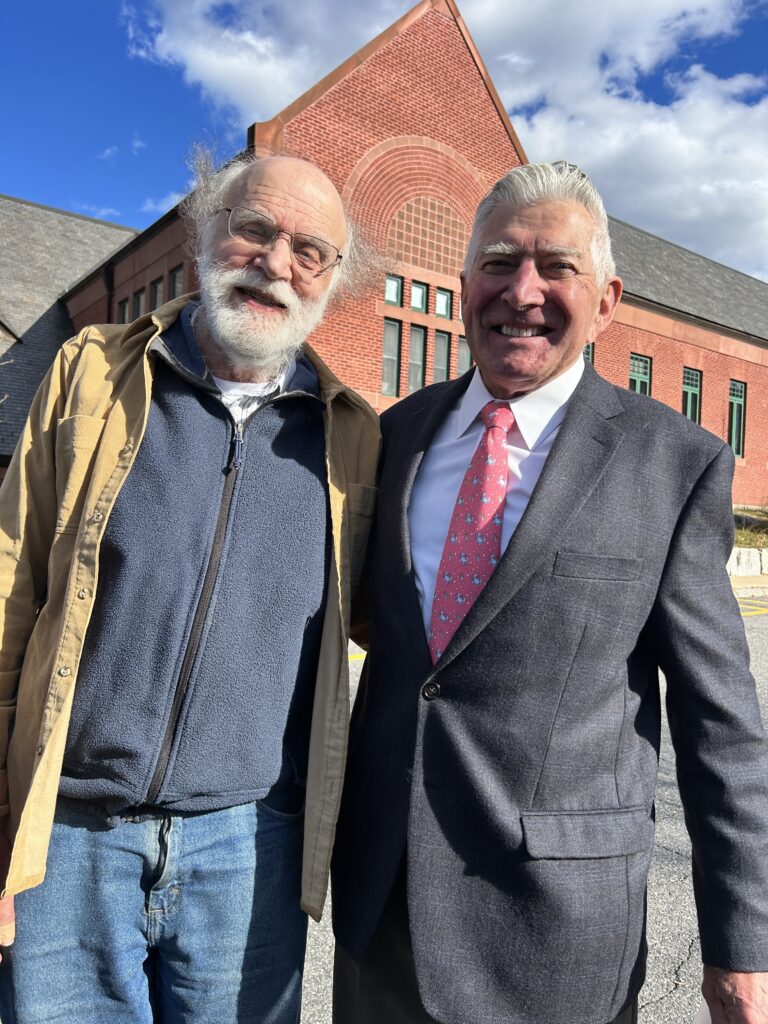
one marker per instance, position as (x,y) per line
(270,133)
(41,251)
(677,280)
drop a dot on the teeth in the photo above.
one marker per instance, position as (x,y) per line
(520,332)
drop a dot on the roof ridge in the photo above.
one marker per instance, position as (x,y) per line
(69,213)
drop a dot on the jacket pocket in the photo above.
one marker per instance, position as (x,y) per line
(596,567)
(77,439)
(559,835)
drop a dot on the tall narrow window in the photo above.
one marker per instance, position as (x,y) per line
(444,303)
(390,364)
(419,296)
(737,408)
(589,352)
(122,311)
(464,355)
(393,290)
(640,374)
(156,293)
(416,358)
(139,303)
(692,394)
(442,355)
(176,282)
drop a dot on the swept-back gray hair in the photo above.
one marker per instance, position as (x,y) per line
(360,263)
(560,181)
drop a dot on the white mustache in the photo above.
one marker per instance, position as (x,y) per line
(252,277)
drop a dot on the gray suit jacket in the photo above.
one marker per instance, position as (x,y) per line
(518,773)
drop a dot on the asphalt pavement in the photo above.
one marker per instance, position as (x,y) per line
(671,992)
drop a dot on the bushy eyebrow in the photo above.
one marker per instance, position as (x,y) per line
(510,249)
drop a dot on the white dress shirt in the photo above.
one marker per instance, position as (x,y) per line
(538,416)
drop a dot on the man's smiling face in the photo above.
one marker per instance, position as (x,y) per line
(530,299)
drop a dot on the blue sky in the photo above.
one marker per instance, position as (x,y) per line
(664,102)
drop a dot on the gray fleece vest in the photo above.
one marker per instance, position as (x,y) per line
(196,682)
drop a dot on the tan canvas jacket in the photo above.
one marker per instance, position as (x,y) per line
(77,448)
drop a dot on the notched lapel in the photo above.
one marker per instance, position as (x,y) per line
(587,441)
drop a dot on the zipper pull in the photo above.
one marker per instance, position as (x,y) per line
(237,452)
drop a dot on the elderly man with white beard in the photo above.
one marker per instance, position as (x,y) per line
(181,532)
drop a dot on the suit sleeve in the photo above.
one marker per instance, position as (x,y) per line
(27,524)
(716,728)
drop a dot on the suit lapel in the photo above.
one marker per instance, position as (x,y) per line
(402,460)
(585,445)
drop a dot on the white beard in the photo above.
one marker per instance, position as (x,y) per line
(248,339)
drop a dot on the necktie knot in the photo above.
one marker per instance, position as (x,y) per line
(497,414)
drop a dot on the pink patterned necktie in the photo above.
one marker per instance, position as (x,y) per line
(473,544)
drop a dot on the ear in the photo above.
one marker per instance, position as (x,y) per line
(463,280)
(609,302)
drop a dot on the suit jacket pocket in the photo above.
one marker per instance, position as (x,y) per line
(558,835)
(596,567)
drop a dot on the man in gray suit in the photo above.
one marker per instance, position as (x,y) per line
(545,544)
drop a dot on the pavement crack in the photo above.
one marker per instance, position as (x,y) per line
(677,973)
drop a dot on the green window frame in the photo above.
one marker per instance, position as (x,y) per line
(122,311)
(419,296)
(444,303)
(176,281)
(393,290)
(640,374)
(139,303)
(737,415)
(589,353)
(156,293)
(442,360)
(692,394)
(464,355)
(390,358)
(416,358)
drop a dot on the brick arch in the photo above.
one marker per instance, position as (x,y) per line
(411,176)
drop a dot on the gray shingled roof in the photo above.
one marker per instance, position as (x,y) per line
(42,251)
(668,275)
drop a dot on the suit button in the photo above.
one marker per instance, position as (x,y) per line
(409,775)
(430,690)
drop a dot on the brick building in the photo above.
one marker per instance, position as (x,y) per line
(413,133)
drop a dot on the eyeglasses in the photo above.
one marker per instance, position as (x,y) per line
(259,232)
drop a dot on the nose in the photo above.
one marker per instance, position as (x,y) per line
(524,286)
(276,260)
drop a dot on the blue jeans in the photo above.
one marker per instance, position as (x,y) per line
(171,918)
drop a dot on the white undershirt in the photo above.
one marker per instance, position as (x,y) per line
(538,416)
(244,397)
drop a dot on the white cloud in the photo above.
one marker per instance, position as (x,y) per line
(162,205)
(137,144)
(693,169)
(99,212)
(108,153)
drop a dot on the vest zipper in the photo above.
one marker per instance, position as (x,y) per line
(201,613)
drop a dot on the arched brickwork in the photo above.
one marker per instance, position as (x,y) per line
(429,233)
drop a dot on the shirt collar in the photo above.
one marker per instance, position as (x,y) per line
(537,414)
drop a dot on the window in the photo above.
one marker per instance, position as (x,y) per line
(442,355)
(444,303)
(737,407)
(419,296)
(465,356)
(692,394)
(139,303)
(416,358)
(640,374)
(589,353)
(156,293)
(122,311)
(393,290)
(390,366)
(176,282)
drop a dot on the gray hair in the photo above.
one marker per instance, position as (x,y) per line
(560,181)
(361,264)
